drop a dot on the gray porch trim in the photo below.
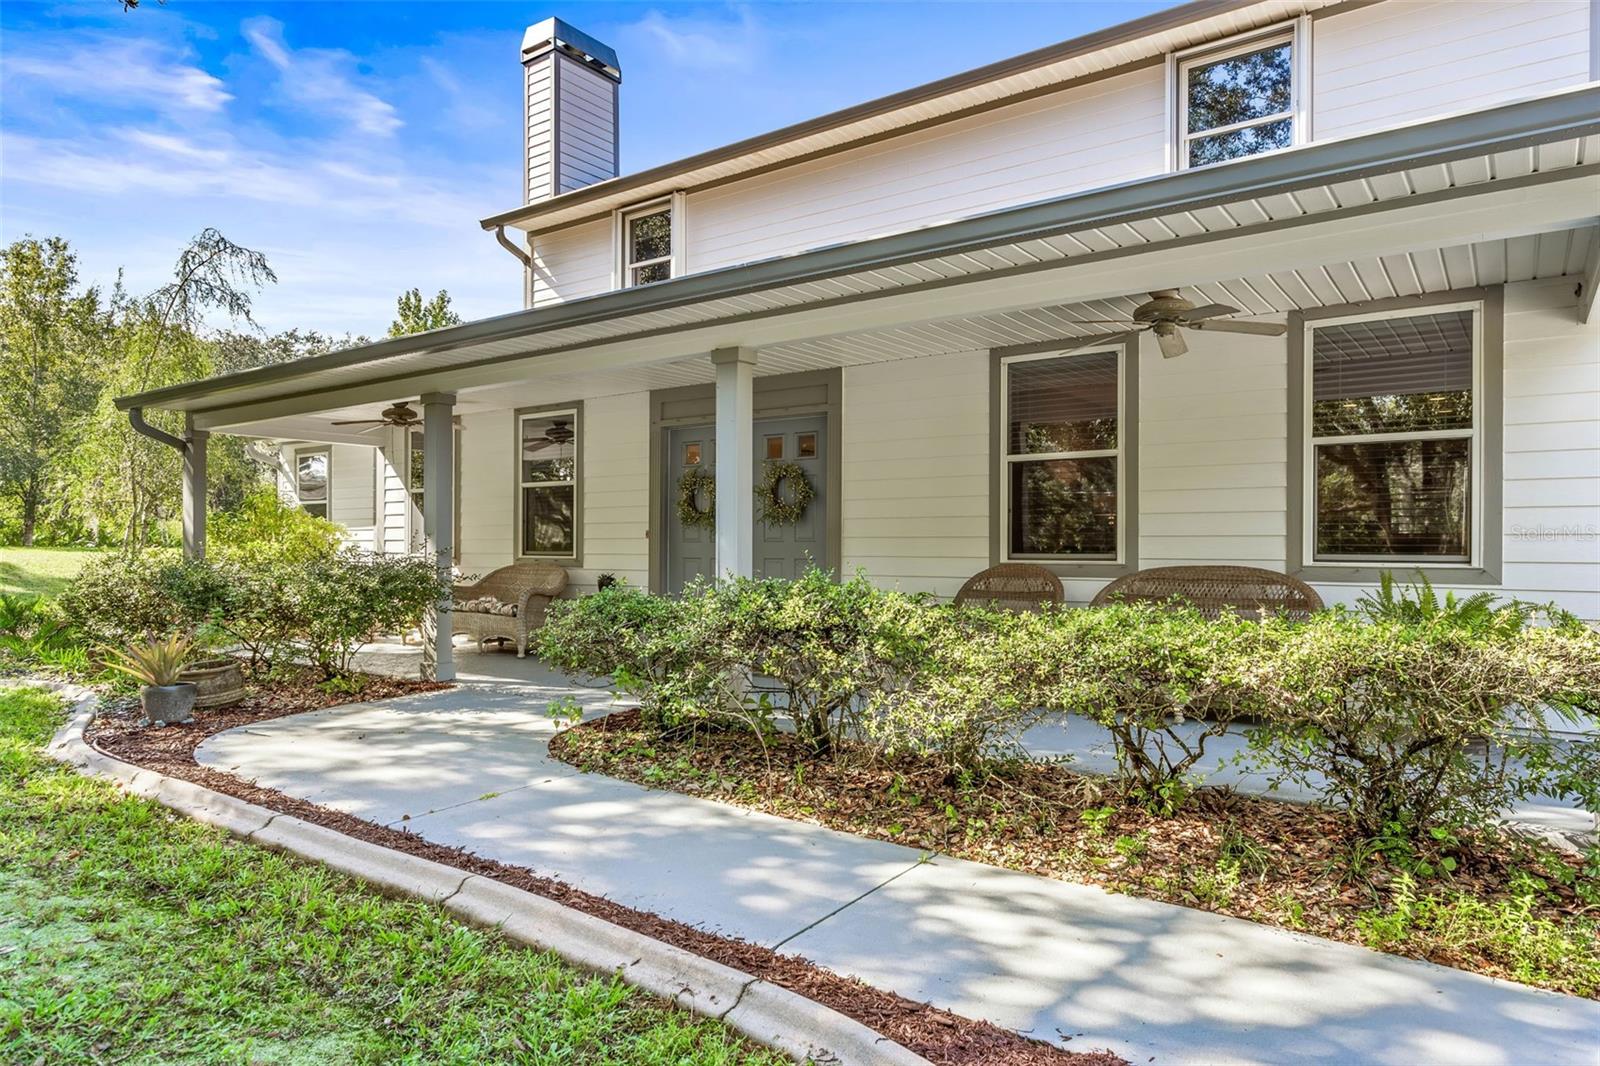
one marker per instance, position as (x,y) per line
(1127,491)
(1491,437)
(575,560)
(775,396)
(1566,114)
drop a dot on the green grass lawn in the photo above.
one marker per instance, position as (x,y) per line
(130,935)
(41,571)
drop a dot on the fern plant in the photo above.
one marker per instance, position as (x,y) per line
(1481,613)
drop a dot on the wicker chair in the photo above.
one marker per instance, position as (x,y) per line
(1012,587)
(1245,590)
(509,603)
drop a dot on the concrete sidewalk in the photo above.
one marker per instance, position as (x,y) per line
(1062,962)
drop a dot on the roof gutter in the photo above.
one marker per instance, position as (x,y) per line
(522,257)
(160,436)
(1563,114)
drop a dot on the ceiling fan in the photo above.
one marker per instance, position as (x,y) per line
(560,432)
(400,415)
(1165,313)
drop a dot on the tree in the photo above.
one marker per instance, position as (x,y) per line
(49,337)
(126,478)
(412,315)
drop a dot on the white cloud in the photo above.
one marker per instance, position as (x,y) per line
(702,43)
(119,72)
(319,79)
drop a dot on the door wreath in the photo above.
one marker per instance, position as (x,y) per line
(695,480)
(772,508)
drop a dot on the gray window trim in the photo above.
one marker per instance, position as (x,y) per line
(1490,438)
(1128,483)
(320,449)
(773,397)
(576,407)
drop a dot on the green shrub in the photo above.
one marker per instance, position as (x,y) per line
(117,599)
(322,609)
(1482,613)
(339,603)
(266,529)
(1163,682)
(653,648)
(826,645)
(1380,714)
(966,684)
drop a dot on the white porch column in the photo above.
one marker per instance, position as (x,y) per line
(439,524)
(735,507)
(194,490)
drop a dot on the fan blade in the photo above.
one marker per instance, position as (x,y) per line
(1209,311)
(1172,344)
(1084,342)
(1260,329)
(360,422)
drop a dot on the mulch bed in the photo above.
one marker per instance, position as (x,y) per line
(1266,860)
(938,1035)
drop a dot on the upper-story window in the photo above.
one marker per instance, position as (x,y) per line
(1237,100)
(647,245)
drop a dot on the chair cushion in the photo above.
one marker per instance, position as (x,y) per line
(487,605)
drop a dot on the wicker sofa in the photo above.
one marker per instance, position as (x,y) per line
(1243,590)
(508,603)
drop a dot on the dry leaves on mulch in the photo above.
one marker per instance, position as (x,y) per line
(1271,861)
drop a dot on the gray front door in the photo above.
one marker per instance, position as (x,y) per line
(780,550)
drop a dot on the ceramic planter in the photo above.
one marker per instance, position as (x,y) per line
(219,682)
(168,704)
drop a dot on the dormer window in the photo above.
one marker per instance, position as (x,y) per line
(1239,99)
(647,244)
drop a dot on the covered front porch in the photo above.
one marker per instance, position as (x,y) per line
(973,393)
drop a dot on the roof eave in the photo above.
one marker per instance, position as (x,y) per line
(1569,112)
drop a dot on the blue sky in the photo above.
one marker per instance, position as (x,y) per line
(357,144)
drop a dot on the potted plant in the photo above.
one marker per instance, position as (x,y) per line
(157,664)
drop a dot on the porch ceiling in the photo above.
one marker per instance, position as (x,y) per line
(1502,194)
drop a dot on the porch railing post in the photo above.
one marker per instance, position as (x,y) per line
(438,524)
(194,490)
(735,476)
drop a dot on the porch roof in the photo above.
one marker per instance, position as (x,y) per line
(1530,167)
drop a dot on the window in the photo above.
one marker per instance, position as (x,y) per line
(647,241)
(1238,100)
(547,483)
(311,481)
(775,447)
(1394,411)
(806,446)
(1063,455)
(691,453)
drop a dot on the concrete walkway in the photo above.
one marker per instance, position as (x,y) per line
(1063,962)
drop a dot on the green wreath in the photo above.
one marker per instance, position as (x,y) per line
(694,480)
(772,508)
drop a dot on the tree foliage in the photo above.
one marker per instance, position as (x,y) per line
(413,314)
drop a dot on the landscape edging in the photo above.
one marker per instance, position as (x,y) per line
(766,1013)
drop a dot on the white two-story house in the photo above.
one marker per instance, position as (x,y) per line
(1295,284)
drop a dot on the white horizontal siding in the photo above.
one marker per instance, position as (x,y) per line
(539,87)
(915,491)
(1394,62)
(573,262)
(1103,133)
(488,492)
(616,491)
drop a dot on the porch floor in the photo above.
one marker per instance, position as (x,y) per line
(470,767)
